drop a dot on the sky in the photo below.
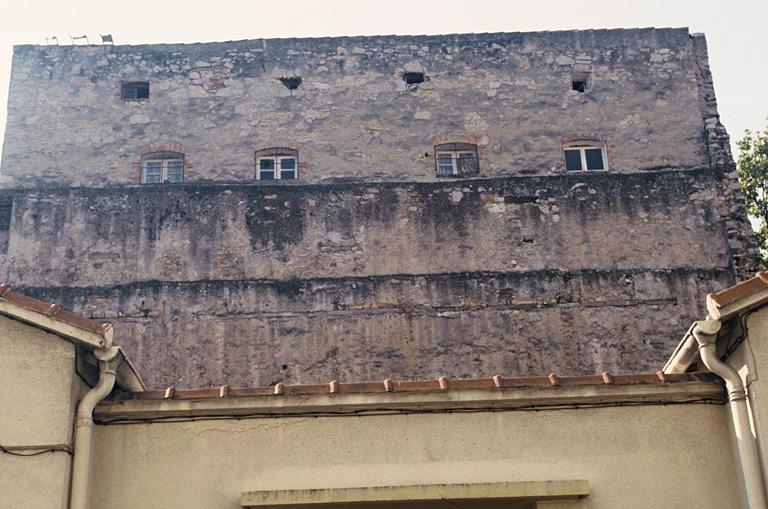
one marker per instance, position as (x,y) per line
(738,48)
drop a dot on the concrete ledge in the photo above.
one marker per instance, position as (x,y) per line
(518,490)
(522,398)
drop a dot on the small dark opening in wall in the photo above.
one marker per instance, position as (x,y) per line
(6,208)
(580,81)
(291,83)
(284,366)
(413,78)
(579,85)
(134,90)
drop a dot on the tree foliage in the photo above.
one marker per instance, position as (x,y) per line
(753,175)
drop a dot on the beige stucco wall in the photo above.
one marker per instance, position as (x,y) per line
(751,359)
(38,398)
(649,456)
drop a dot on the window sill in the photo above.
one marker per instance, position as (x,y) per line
(420,493)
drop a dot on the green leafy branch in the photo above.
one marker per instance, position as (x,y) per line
(753,176)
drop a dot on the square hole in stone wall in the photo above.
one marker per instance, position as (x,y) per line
(291,83)
(580,81)
(413,78)
(134,90)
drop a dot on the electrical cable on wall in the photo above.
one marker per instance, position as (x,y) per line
(34,450)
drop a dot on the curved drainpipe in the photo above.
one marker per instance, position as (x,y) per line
(705,334)
(81,463)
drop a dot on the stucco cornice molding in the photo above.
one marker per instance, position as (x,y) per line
(331,404)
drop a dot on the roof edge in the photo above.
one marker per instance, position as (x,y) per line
(736,300)
(70,326)
(336,398)
(128,378)
(361,38)
(52,318)
(740,298)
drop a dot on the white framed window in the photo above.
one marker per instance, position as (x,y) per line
(277,164)
(585,156)
(456,159)
(159,167)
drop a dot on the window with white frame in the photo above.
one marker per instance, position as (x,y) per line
(160,167)
(585,155)
(456,159)
(277,164)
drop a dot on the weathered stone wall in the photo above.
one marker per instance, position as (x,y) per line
(367,267)
(353,116)
(245,284)
(92,237)
(256,332)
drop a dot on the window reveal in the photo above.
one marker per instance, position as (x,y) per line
(456,159)
(162,167)
(585,157)
(276,164)
(580,81)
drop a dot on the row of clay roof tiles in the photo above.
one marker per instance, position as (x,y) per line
(751,286)
(53,311)
(437,385)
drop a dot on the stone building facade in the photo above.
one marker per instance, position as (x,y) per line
(354,114)
(426,223)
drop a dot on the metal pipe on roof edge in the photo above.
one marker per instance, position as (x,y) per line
(684,354)
(750,469)
(109,360)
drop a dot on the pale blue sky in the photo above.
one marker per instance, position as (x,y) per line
(736,29)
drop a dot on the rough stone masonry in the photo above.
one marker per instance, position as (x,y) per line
(369,265)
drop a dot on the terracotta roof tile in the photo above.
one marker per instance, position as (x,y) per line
(532,381)
(581,380)
(307,389)
(254,391)
(53,311)
(407,386)
(362,387)
(416,385)
(476,383)
(744,289)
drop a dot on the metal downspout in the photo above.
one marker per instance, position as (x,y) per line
(81,463)
(705,333)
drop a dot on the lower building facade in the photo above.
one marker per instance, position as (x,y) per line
(688,435)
